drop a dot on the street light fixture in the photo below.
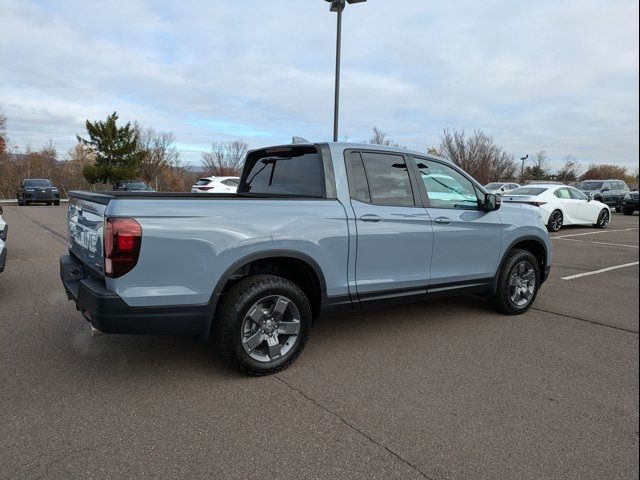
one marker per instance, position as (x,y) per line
(338,6)
(524,159)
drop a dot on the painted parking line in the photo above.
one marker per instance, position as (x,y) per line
(596,272)
(596,243)
(594,233)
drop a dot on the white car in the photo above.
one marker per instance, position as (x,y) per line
(216,185)
(500,188)
(561,205)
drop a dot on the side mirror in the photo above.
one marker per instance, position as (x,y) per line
(492,202)
(590,196)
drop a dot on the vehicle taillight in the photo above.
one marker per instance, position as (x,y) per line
(205,188)
(122,239)
(535,204)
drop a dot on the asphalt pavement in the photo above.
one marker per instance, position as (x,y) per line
(445,389)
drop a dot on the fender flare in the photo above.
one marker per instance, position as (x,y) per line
(262,255)
(494,284)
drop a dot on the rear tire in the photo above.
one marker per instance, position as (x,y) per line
(244,312)
(57,203)
(628,211)
(603,220)
(556,219)
(518,283)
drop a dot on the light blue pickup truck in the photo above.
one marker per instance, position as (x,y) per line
(313,228)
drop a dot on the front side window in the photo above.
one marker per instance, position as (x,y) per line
(446,187)
(388,179)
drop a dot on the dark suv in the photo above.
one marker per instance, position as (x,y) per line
(610,192)
(131,186)
(37,190)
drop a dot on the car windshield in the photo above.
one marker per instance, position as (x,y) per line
(591,185)
(493,186)
(529,191)
(136,186)
(37,183)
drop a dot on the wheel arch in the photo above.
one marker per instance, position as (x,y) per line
(293,265)
(530,243)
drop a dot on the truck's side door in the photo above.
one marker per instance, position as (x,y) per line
(394,233)
(467,239)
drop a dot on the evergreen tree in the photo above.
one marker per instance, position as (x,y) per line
(118,151)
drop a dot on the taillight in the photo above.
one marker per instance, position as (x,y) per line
(205,188)
(122,239)
(535,204)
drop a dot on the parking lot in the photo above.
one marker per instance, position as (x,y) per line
(446,389)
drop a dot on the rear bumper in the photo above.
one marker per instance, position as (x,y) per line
(109,313)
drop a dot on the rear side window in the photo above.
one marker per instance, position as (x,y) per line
(295,171)
(388,179)
(562,193)
(360,184)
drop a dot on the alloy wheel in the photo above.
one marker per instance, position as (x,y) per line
(522,284)
(270,328)
(556,221)
(603,221)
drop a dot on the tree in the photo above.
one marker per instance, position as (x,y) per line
(380,138)
(569,171)
(478,155)
(604,171)
(118,152)
(225,158)
(3,133)
(159,152)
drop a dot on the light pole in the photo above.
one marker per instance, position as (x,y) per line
(522,169)
(338,6)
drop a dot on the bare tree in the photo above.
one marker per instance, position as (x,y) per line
(478,155)
(380,138)
(539,170)
(570,170)
(225,158)
(3,133)
(160,152)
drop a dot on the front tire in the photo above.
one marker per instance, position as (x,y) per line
(556,219)
(518,283)
(603,220)
(262,325)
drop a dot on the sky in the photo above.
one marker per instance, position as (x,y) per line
(553,75)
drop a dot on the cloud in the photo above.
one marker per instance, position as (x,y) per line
(559,76)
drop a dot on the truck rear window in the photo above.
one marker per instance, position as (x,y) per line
(284,171)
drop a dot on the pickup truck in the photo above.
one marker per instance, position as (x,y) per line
(313,228)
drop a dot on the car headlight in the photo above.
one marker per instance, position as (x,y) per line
(627,196)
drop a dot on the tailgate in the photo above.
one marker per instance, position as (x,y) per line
(85,221)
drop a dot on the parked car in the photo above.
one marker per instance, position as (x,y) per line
(610,192)
(132,186)
(37,190)
(500,188)
(216,185)
(3,238)
(630,203)
(561,205)
(312,228)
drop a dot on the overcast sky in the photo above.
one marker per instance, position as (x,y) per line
(554,75)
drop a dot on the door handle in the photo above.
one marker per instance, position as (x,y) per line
(369,217)
(443,220)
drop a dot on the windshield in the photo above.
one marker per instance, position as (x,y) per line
(529,191)
(136,186)
(493,186)
(591,185)
(37,183)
